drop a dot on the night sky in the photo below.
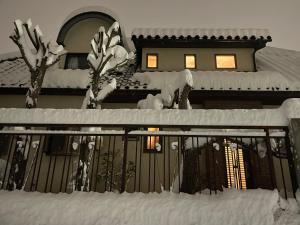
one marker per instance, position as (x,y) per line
(282,18)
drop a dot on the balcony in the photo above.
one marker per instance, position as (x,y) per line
(47,153)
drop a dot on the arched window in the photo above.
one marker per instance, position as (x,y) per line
(76,35)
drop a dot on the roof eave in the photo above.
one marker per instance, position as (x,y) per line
(198,43)
(195,96)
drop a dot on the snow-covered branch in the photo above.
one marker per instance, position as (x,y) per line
(106,55)
(38,49)
(37,53)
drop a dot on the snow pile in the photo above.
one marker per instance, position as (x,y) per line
(291,108)
(168,89)
(288,212)
(230,207)
(220,80)
(66,78)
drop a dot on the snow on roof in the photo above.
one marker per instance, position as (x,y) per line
(278,69)
(286,62)
(203,33)
(219,80)
(15,73)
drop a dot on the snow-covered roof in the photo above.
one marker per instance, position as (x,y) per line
(202,33)
(219,80)
(279,69)
(286,62)
(13,72)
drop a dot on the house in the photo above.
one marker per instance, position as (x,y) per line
(198,49)
(231,69)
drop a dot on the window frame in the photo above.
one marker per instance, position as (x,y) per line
(72,54)
(152,54)
(195,55)
(65,142)
(227,54)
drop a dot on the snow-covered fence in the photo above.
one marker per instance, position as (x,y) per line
(148,157)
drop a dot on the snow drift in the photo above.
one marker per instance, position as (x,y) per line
(230,207)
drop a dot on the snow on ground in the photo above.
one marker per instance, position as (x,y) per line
(230,207)
(214,80)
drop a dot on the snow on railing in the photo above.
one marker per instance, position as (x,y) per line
(172,117)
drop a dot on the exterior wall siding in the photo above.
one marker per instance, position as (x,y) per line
(56,102)
(153,170)
(79,37)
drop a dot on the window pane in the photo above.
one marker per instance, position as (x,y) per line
(225,61)
(152,140)
(190,61)
(235,166)
(72,62)
(76,61)
(151,61)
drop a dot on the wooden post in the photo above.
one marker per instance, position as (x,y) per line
(291,162)
(124,166)
(269,154)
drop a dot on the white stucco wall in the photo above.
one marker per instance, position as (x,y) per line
(281,17)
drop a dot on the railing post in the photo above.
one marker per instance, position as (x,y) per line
(269,154)
(124,166)
(291,162)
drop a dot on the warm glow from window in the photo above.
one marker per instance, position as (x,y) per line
(151,61)
(152,140)
(225,62)
(235,166)
(190,61)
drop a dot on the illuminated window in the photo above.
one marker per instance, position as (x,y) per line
(235,165)
(190,61)
(152,61)
(152,142)
(225,62)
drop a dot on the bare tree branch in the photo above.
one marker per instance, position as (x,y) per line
(22,52)
(34,40)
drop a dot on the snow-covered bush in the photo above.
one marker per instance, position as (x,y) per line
(171,94)
(111,172)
